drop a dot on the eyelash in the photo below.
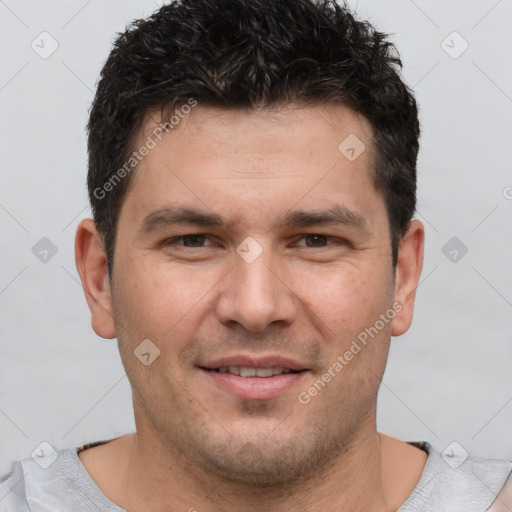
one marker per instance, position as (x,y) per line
(172,241)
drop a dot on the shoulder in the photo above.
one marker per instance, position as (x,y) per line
(453,480)
(52,480)
(12,490)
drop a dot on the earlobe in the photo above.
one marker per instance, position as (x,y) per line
(408,271)
(91,264)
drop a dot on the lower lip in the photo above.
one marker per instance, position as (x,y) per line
(255,388)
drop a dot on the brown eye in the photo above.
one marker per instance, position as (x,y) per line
(318,241)
(189,241)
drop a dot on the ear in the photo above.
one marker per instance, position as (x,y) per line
(91,263)
(407,274)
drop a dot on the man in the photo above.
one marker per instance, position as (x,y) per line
(252,174)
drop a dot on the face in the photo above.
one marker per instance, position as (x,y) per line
(252,305)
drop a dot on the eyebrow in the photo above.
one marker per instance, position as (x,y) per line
(180,215)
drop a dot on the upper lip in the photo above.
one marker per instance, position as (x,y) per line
(253,361)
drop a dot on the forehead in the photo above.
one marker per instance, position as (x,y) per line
(221,158)
(265,129)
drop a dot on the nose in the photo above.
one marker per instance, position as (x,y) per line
(256,294)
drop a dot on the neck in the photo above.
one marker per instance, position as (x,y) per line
(158,477)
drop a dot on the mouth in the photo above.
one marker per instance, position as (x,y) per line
(252,378)
(260,373)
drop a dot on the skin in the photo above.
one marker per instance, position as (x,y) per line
(197,446)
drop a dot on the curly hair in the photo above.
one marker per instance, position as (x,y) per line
(252,54)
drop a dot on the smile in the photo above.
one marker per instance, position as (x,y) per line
(243,371)
(262,383)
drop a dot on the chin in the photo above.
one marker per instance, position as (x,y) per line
(267,461)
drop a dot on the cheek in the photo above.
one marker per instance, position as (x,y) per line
(345,300)
(348,304)
(166,304)
(150,297)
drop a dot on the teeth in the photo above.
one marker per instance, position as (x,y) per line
(264,372)
(245,372)
(234,370)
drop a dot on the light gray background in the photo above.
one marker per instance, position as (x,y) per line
(448,379)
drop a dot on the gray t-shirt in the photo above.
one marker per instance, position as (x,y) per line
(446,484)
